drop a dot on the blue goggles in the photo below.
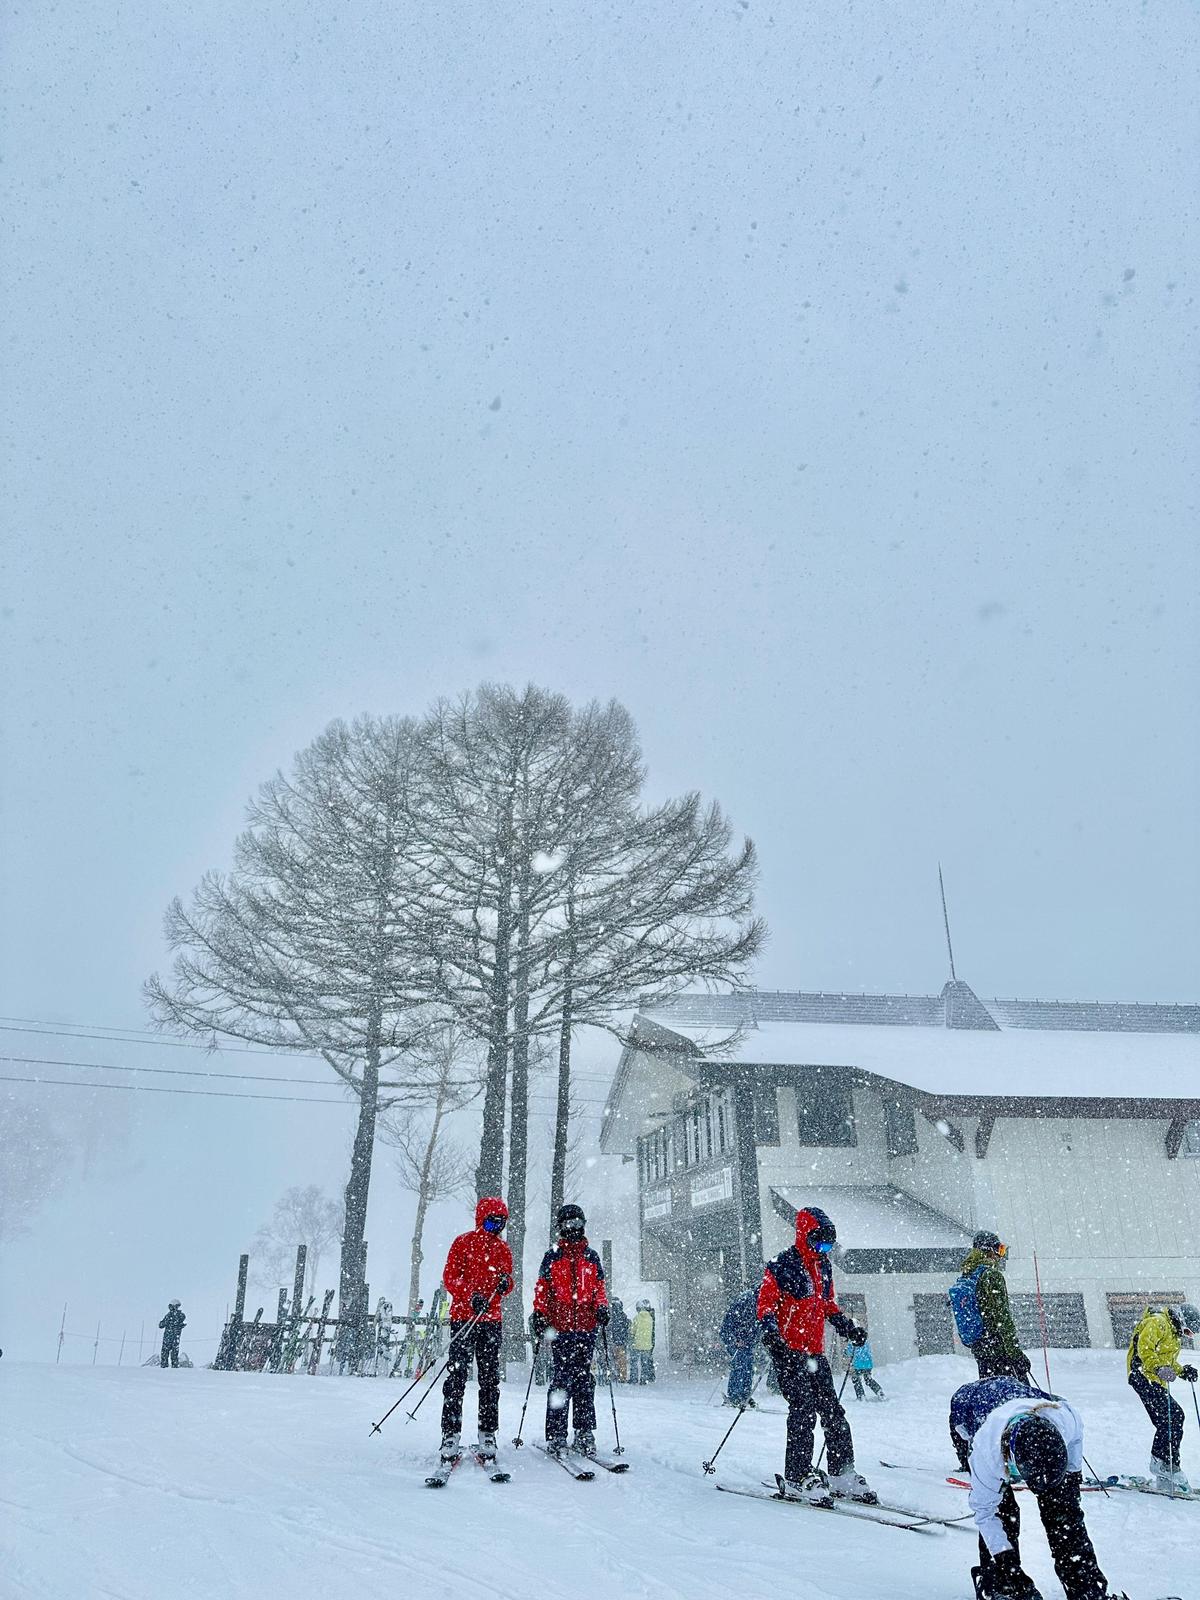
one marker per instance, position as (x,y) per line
(493,1224)
(824,1247)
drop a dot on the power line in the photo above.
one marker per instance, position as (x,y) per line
(154,1088)
(167,1072)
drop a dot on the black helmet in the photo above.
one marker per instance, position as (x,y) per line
(571,1221)
(989,1241)
(1038,1452)
(824,1234)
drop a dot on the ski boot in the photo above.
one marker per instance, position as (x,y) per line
(584,1442)
(851,1485)
(811,1490)
(451,1447)
(486,1448)
(1168,1479)
(556,1447)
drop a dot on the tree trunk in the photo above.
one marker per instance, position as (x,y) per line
(351,1286)
(562,1119)
(489,1174)
(423,1198)
(518,1138)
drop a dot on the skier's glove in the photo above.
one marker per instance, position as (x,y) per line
(1023,1367)
(772,1342)
(857,1335)
(504,1283)
(602,1316)
(479,1304)
(1189,1374)
(538,1324)
(1166,1374)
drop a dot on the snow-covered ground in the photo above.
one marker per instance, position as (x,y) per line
(140,1484)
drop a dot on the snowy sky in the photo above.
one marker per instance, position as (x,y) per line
(820,381)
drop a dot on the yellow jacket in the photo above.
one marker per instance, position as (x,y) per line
(1155,1344)
(641,1335)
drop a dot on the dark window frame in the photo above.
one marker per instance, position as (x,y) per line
(825,1112)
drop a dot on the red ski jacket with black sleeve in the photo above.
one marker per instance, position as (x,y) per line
(797,1293)
(570,1287)
(476,1263)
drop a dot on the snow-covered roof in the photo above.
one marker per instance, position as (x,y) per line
(876,1217)
(1056,1063)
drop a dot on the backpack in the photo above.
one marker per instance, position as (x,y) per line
(964,1302)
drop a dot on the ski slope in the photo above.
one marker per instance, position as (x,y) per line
(140,1484)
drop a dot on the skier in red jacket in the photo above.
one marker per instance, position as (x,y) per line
(570,1299)
(794,1304)
(478,1275)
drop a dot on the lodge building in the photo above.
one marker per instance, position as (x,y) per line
(1072,1129)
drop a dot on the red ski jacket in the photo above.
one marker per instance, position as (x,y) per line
(475,1265)
(570,1286)
(797,1290)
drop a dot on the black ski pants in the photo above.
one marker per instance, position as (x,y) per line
(994,1362)
(483,1342)
(571,1385)
(1071,1549)
(1164,1412)
(806,1383)
(170,1351)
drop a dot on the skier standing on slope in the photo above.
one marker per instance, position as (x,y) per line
(172,1326)
(979,1299)
(794,1304)
(739,1335)
(1002,1430)
(570,1299)
(477,1276)
(1152,1363)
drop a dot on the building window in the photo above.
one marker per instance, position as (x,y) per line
(654,1157)
(824,1111)
(900,1127)
(1066,1321)
(707,1128)
(933,1324)
(766,1114)
(1191,1140)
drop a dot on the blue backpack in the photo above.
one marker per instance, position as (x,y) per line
(964,1302)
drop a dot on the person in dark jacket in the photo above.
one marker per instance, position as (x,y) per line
(739,1335)
(477,1276)
(998,1352)
(618,1338)
(571,1299)
(1003,1428)
(794,1304)
(172,1326)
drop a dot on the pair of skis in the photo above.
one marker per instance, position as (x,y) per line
(440,1476)
(887,1516)
(1117,1480)
(568,1461)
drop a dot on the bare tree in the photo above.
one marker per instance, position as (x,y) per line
(305,944)
(445,1076)
(302,1216)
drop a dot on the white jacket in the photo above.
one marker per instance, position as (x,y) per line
(988,1475)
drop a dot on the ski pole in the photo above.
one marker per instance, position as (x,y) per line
(533,1355)
(710,1465)
(465,1329)
(612,1399)
(1170,1439)
(450,1354)
(1196,1405)
(1097,1476)
(840,1393)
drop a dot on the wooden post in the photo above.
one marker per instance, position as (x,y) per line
(298,1282)
(239,1305)
(62,1334)
(96,1346)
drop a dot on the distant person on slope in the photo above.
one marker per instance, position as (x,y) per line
(1004,1430)
(979,1299)
(172,1326)
(641,1344)
(794,1304)
(1152,1363)
(861,1364)
(618,1338)
(739,1335)
(571,1299)
(477,1276)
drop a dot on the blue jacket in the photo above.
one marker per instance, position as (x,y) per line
(971,1405)
(860,1355)
(739,1327)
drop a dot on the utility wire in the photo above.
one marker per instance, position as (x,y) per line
(154,1088)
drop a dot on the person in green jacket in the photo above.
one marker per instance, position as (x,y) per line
(998,1352)
(641,1344)
(1152,1362)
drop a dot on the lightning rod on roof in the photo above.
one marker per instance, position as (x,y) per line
(946,920)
